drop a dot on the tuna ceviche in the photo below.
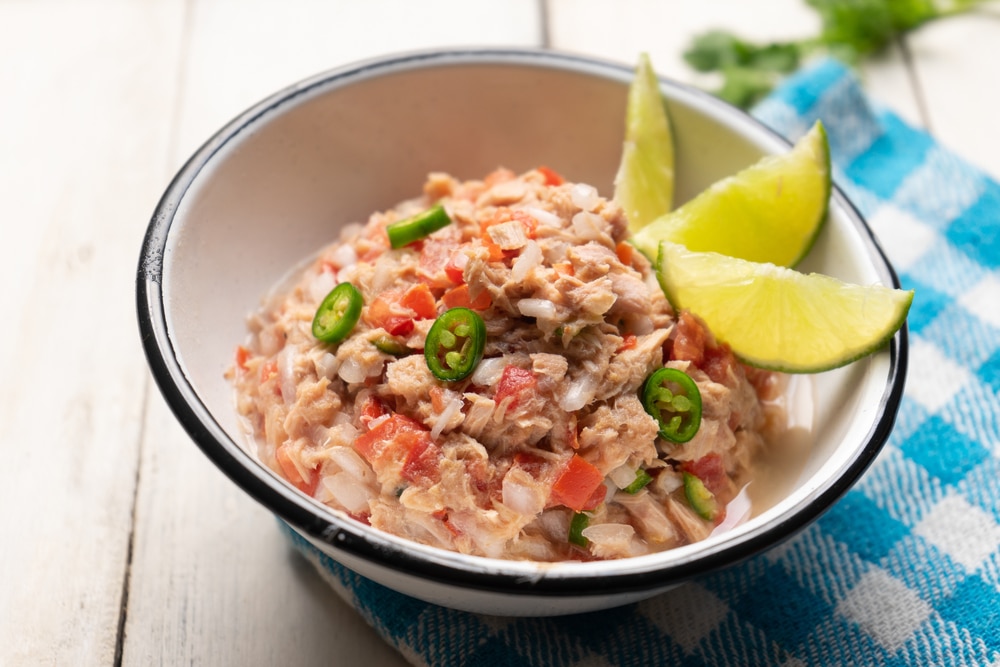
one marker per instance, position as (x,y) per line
(492,368)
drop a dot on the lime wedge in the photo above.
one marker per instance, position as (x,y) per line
(771,211)
(644,184)
(777,318)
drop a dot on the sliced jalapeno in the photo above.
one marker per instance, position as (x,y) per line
(455,344)
(642,478)
(700,498)
(673,399)
(404,232)
(576,526)
(390,345)
(337,314)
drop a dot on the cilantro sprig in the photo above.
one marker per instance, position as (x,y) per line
(851,31)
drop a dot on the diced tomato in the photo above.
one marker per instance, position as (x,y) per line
(564,268)
(628,342)
(458,297)
(514,381)
(435,262)
(710,470)
(718,361)
(292,474)
(688,340)
(442,516)
(624,251)
(268,370)
(551,177)
(455,268)
(420,300)
(422,456)
(384,311)
(400,438)
(242,356)
(577,485)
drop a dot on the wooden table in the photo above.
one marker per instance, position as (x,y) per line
(119,542)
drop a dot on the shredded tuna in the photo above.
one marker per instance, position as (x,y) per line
(549,424)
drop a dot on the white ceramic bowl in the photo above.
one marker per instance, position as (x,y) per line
(275,184)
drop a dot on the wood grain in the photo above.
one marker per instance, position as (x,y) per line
(81,159)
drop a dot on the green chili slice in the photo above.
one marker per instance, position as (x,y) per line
(576,526)
(673,399)
(390,345)
(455,344)
(405,232)
(642,478)
(337,314)
(700,498)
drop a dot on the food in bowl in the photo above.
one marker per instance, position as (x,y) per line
(491,368)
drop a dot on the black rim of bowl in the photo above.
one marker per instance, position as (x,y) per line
(371,545)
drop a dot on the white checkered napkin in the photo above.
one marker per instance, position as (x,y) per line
(905,569)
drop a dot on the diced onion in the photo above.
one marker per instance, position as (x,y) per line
(327,365)
(488,371)
(347,492)
(286,373)
(737,512)
(541,309)
(579,393)
(622,476)
(351,463)
(543,217)
(453,407)
(351,371)
(344,256)
(530,258)
(321,285)
(588,226)
(584,196)
(522,498)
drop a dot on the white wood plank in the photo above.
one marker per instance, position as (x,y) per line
(664,29)
(212,581)
(83,112)
(215,583)
(956,64)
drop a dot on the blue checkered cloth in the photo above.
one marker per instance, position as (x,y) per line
(905,569)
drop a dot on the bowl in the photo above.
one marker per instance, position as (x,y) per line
(274,185)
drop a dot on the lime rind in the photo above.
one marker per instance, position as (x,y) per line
(644,183)
(772,211)
(778,318)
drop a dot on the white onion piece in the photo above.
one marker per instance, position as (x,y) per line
(541,309)
(488,371)
(385,273)
(351,371)
(351,463)
(530,258)
(327,365)
(579,393)
(286,374)
(622,476)
(321,285)
(344,256)
(546,218)
(521,497)
(347,492)
(737,512)
(588,226)
(584,196)
(453,408)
